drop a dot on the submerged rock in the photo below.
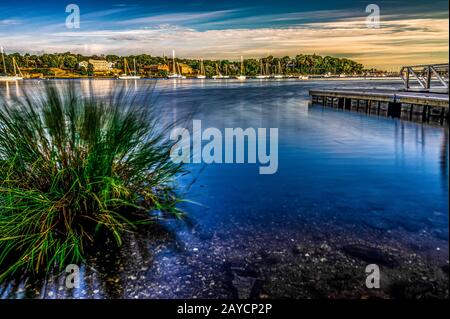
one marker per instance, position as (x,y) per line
(325,247)
(298,249)
(445,269)
(271,260)
(243,281)
(371,255)
(243,286)
(378,224)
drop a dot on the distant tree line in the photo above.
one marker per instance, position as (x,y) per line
(300,64)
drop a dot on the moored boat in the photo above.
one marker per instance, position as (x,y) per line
(218,75)
(279,74)
(175,74)
(242,76)
(129,75)
(201,75)
(261,70)
(17,73)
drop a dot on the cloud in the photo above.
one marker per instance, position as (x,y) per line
(397,42)
(8,22)
(174,18)
(104,13)
(291,18)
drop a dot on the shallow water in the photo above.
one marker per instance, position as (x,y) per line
(343,178)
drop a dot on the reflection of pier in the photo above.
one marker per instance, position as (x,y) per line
(424,107)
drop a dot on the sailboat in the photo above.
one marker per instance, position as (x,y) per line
(279,74)
(242,76)
(181,76)
(261,68)
(218,75)
(174,74)
(226,76)
(129,75)
(202,71)
(6,77)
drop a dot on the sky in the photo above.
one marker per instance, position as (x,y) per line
(410,32)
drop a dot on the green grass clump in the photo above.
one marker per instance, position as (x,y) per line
(72,166)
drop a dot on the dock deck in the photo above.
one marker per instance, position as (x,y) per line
(424,107)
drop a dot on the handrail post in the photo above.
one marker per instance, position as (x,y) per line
(407,79)
(428,86)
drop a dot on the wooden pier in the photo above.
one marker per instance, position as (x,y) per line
(423,107)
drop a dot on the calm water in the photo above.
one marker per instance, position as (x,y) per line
(340,175)
(333,163)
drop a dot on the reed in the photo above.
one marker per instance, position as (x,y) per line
(73,165)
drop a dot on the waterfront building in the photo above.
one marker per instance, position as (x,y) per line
(101,65)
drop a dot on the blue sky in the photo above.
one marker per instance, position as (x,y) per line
(411,31)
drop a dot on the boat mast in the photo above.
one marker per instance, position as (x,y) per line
(18,69)
(202,67)
(134,62)
(14,66)
(242,65)
(125,66)
(3,58)
(173,62)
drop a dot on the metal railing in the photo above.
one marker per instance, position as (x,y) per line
(428,78)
